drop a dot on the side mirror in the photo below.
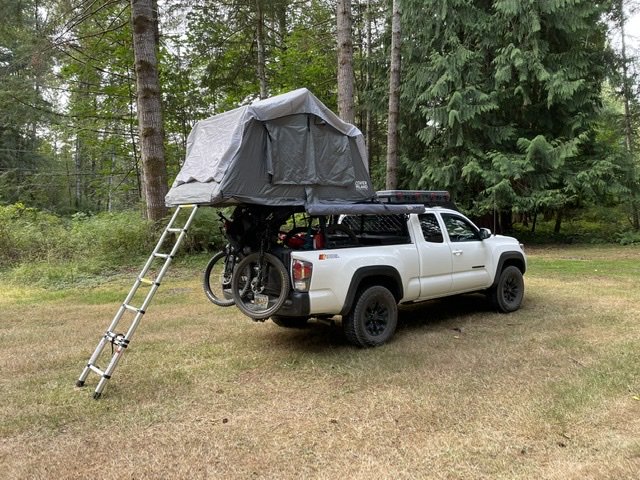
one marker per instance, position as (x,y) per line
(485,233)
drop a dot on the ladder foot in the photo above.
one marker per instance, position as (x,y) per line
(79,383)
(97,395)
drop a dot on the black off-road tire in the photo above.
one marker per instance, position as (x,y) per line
(290,322)
(275,285)
(373,319)
(507,295)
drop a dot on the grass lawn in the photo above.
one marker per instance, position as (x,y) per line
(549,392)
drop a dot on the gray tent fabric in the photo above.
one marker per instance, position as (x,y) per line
(289,149)
(364,209)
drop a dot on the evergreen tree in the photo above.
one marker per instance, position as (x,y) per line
(508,92)
(24,64)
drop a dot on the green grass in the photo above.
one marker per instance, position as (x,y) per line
(461,392)
(580,262)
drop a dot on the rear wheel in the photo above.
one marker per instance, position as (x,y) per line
(260,284)
(507,295)
(373,319)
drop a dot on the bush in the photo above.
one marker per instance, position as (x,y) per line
(111,237)
(46,249)
(594,225)
(628,238)
(27,234)
(204,233)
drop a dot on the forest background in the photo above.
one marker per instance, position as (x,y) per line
(526,111)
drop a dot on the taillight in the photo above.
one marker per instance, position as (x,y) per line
(301,271)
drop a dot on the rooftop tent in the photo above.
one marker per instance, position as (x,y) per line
(286,150)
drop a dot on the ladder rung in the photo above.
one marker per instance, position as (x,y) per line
(175,230)
(132,308)
(162,255)
(95,369)
(146,281)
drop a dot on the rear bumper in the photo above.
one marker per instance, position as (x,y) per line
(296,305)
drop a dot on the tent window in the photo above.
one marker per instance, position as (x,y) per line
(303,150)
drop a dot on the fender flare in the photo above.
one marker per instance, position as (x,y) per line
(509,257)
(372,271)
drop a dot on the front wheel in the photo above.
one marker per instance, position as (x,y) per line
(216,280)
(507,295)
(373,319)
(259,285)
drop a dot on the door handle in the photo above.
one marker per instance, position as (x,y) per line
(457,253)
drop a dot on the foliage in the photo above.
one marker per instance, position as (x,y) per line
(205,232)
(592,225)
(44,247)
(502,101)
(223,54)
(23,108)
(628,238)
(509,99)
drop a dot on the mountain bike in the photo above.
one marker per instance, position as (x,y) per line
(216,280)
(260,281)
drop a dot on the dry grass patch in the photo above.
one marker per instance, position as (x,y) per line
(461,392)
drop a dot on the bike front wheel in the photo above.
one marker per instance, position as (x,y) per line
(259,285)
(216,280)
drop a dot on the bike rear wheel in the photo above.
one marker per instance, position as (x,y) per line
(260,284)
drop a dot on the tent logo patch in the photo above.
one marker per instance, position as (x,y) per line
(362,185)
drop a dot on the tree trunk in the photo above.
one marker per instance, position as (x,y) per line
(78,170)
(369,115)
(556,228)
(533,223)
(394,98)
(132,136)
(346,104)
(154,168)
(262,76)
(627,97)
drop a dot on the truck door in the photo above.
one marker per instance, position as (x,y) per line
(435,258)
(468,254)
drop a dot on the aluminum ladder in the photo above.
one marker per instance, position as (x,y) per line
(119,342)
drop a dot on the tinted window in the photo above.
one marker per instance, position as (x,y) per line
(430,228)
(377,224)
(459,229)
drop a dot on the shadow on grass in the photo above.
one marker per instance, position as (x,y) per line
(443,313)
(434,315)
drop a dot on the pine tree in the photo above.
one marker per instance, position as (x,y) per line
(508,93)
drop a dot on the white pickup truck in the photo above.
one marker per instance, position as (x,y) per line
(380,261)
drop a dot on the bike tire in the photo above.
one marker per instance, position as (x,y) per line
(216,280)
(258,276)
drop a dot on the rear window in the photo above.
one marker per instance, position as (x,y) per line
(377,224)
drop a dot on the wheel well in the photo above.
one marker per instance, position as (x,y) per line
(383,281)
(366,277)
(509,259)
(516,262)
